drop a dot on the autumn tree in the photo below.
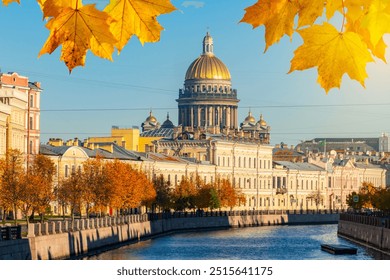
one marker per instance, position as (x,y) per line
(184,195)
(117,173)
(11,181)
(367,193)
(147,190)
(37,191)
(70,193)
(128,187)
(163,193)
(229,196)
(382,200)
(96,190)
(317,197)
(356,205)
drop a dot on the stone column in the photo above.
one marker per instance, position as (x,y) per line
(53,228)
(31,230)
(66,226)
(199,124)
(206,119)
(211,119)
(228,117)
(45,228)
(59,225)
(235,118)
(192,116)
(76,226)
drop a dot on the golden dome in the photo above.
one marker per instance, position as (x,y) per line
(262,122)
(151,118)
(208,66)
(250,118)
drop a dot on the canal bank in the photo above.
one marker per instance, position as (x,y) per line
(67,239)
(370,231)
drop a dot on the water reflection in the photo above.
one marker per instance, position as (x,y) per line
(265,243)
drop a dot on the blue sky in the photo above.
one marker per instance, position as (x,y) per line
(149,76)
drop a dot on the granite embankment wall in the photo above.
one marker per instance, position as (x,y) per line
(66,239)
(367,230)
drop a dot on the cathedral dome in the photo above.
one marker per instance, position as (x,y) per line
(207,66)
(261,121)
(250,118)
(151,118)
(168,123)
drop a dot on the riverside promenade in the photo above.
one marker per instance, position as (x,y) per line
(370,231)
(70,239)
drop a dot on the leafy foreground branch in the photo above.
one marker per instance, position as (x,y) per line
(339,36)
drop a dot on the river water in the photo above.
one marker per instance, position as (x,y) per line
(302,242)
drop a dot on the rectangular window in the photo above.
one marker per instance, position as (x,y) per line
(31,123)
(31,100)
(66,171)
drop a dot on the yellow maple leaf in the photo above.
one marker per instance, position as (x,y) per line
(78,29)
(377,20)
(333,53)
(260,12)
(52,8)
(356,8)
(6,2)
(276,15)
(137,17)
(309,11)
(355,26)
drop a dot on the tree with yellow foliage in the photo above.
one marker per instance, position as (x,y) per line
(228,195)
(184,195)
(37,191)
(163,193)
(96,190)
(127,187)
(11,180)
(70,192)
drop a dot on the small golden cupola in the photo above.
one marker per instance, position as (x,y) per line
(261,121)
(250,118)
(150,123)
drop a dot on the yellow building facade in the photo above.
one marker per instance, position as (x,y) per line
(19,114)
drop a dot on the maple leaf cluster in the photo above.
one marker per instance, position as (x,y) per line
(333,51)
(79,28)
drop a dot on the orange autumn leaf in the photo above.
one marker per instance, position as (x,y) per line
(137,17)
(334,53)
(379,50)
(6,2)
(276,15)
(377,20)
(309,11)
(78,29)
